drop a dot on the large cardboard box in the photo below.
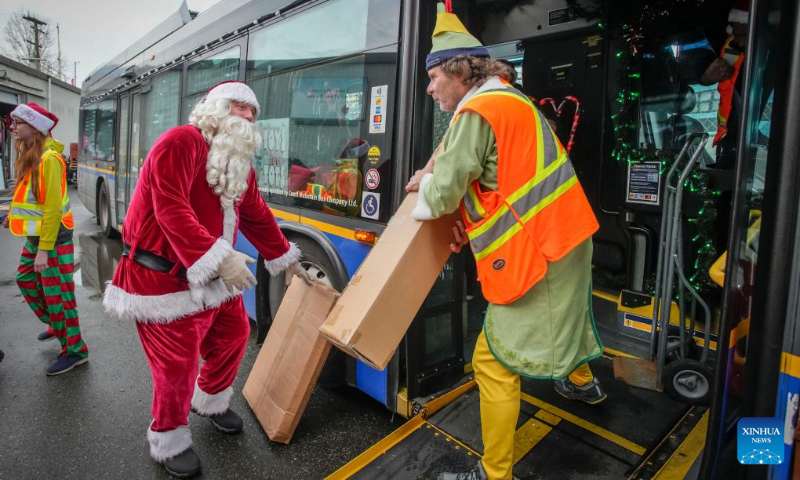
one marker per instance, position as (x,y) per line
(378,305)
(290,360)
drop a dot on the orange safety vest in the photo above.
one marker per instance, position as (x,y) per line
(539,212)
(26,215)
(735,58)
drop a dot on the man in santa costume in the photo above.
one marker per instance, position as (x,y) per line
(180,278)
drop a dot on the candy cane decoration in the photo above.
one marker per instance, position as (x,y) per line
(558,111)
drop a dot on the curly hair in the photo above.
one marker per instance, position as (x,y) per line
(474,71)
(207,116)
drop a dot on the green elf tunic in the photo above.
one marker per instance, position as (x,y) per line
(549,331)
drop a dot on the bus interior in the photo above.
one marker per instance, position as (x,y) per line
(627,101)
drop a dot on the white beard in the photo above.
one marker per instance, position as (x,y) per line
(230,158)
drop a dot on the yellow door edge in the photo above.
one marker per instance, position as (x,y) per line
(353,466)
(678,465)
(368,456)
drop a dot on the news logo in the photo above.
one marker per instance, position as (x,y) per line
(759,441)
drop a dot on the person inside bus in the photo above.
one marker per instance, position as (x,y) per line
(534,263)
(725,71)
(180,278)
(41,212)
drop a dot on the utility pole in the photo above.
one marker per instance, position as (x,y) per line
(58,35)
(37,57)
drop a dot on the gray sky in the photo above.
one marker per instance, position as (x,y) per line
(94,31)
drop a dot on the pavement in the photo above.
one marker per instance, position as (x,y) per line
(91,422)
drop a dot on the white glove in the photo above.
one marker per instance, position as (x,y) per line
(297,269)
(234,272)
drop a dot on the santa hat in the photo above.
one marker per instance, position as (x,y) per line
(451,38)
(36,116)
(738,14)
(234,91)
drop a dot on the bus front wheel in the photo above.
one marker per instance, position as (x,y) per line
(104,213)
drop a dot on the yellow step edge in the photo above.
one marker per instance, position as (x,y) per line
(528,436)
(586,425)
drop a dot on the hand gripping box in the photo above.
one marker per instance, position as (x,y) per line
(378,305)
(290,360)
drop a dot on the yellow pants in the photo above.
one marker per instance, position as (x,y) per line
(500,403)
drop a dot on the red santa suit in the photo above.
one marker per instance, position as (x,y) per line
(180,317)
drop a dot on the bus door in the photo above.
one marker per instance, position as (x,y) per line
(130,160)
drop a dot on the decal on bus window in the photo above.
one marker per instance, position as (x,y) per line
(373,179)
(377,112)
(370,205)
(272,157)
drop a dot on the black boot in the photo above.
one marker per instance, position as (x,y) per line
(184,465)
(226,422)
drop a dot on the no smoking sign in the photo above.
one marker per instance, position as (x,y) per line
(373,179)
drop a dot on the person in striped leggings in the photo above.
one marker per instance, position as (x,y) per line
(40,211)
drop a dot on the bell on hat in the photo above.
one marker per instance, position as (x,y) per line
(234,91)
(36,116)
(451,38)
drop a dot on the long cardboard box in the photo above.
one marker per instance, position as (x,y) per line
(290,360)
(378,305)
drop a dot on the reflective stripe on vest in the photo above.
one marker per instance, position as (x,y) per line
(26,214)
(539,212)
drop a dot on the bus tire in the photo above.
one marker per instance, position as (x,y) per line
(104,212)
(316,262)
(688,381)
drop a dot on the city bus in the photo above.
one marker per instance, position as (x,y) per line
(345,122)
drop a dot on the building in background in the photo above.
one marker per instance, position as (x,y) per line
(22,84)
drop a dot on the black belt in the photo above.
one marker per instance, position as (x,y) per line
(152,261)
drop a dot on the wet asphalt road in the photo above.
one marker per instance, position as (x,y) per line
(91,422)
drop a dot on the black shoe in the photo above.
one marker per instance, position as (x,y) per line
(2,355)
(65,363)
(183,465)
(45,336)
(226,422)
(591,393)
(477,473)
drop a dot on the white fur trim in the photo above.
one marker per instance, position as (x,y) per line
(166,445)
(237,91)
(492,83)
(422,211)
(738,16)
(208,404)
(207,266)
(228,223)
(277,265)
(164,308)
(33,118)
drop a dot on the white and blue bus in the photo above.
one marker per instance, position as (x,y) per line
(345,123)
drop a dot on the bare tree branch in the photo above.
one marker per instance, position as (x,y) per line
(20,44)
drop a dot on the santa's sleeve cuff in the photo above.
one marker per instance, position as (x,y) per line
(277,265)
(207,267)
(423,210)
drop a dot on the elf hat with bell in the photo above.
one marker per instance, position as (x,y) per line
(451,38)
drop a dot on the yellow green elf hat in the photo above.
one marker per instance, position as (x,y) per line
(451,38)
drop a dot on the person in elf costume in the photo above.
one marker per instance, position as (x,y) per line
(529,225)
(41,212)
(180,278)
